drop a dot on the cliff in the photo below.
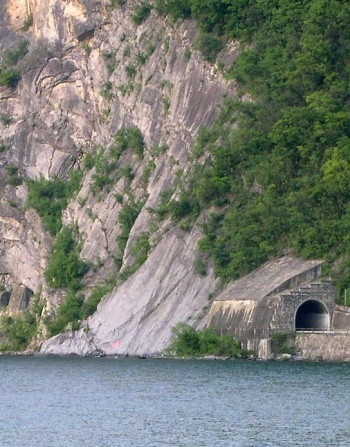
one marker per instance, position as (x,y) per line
(88,72)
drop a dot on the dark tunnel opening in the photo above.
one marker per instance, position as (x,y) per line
(312,316)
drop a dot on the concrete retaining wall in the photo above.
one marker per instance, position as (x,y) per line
(326,346)
(341,318)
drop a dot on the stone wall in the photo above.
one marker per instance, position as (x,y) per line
(17,300)
(327,346)
(288,303)
(341,318)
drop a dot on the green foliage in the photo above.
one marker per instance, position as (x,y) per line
(277,167)
(106,162)
(163,210)
(13,55)
(126,219)
(147,172)
(188,342)
(14,179)
(50,197)
(129,138)
(130,71)
(5,119)
(141,12)
(178,9)
(200,267)
(139,251)
(4,147)
(209,45)
(141,58)
(65,268)
(91,303)
(282,343)
(185,206)
(74,309)
(69,313)
(107,90)
(9,77)
(128,172)
(28,22)
(117,2)
(105,165)
(17,331)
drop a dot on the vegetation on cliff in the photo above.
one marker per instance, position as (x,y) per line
(279,159)
(188,342)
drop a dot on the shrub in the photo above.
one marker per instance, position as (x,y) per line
(117,2)
(141,13)
(65,268)
(129,137)
(5,119)
(178,9)
(17,331)
(209,45)
(14,179)
(282,343)
(107,90)
(69,312)
(90,305)
(9,77)
(28,22)
(50,197)
(188,342)
(12,56)
(126,218)
(200,267)
(4,147)
(130,71)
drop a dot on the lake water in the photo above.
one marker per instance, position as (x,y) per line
(102,402)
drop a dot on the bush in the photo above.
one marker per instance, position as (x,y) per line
(141,13)
(130,71)
(17,331)
(14,179)
(12,56)
(4,147)
(9,78)
(28,22)
(282,343)
(50,197)
(5,119)
(69,313)
(65,268)
(209,45)
(126,218)
(129,138)
(90,305)
(178,9)
(117,2)
(188,342)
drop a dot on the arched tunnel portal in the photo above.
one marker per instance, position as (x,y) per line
(312,315)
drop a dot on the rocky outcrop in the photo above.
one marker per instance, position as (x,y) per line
(89,72)
(138,316)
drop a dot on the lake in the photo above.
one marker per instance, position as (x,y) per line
(102,402)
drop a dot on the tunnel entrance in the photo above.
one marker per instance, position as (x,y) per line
(312,316)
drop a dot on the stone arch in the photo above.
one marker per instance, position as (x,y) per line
(312,315)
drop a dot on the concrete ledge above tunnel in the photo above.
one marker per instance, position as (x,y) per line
(312,315)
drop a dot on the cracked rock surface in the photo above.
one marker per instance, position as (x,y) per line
(89,72)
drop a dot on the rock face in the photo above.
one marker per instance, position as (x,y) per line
(89,72)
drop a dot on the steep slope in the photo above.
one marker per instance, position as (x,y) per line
(90,72)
